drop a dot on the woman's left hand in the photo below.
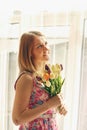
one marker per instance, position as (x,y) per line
(62,110)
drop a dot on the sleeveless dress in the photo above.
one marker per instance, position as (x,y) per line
(46,121)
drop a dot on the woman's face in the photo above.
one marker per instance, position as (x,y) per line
(40,51)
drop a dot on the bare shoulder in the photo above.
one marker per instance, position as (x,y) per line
(24,81)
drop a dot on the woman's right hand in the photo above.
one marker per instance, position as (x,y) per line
(55,101)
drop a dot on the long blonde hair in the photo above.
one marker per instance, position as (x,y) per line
(24,57)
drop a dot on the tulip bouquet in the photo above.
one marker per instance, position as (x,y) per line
(52,79)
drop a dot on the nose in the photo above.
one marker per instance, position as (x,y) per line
(47,48)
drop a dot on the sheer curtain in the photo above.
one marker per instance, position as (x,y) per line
(3,89)
(12,75)
(82,118)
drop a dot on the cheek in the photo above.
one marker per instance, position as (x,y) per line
(37,54)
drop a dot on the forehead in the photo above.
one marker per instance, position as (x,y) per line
(39,39)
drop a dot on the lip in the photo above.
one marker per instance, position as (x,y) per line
(46,55)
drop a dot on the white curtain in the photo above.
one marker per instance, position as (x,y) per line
(82,119)
(3,89)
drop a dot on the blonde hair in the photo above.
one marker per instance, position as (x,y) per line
(24,57)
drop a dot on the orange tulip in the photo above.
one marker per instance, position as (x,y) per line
(46,76)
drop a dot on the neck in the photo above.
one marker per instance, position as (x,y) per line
(40,67)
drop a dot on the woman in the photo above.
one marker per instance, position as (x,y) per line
(33,108)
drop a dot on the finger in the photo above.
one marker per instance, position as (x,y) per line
(62,110)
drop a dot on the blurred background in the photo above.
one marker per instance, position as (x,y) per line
(65,25)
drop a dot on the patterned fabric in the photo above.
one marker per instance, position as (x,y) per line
(46,121)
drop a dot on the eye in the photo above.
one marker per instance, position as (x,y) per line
(40,46)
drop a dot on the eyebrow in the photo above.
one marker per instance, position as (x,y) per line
(36,44)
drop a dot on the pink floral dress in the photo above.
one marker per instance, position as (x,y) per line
(46,121)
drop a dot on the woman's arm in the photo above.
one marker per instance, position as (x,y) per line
(21,113)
